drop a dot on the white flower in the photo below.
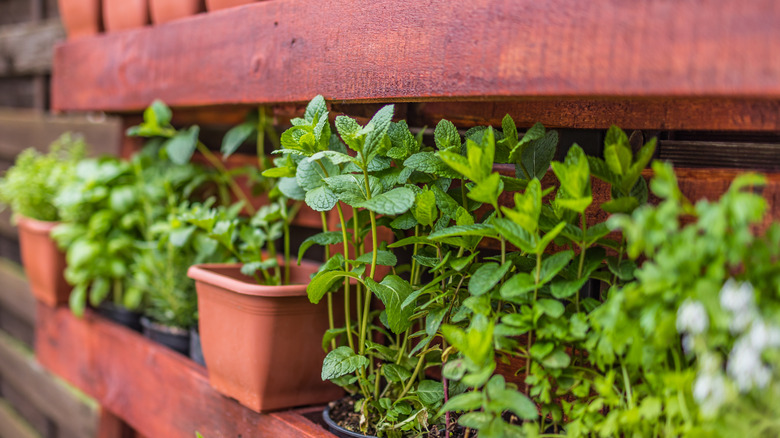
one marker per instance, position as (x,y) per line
(745,366)
(739,299)
(762,336)
(709,390)
(692,318)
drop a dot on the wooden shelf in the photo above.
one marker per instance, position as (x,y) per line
(156,391)
(394,50)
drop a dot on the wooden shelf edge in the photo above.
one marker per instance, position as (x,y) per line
(156,391)
(391,50)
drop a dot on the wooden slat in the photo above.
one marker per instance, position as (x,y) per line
(289,51)
(744,156)
(20,129)
(11,425)
(70,412)
(158,392)
(27,48)
(683,113)
(15,295)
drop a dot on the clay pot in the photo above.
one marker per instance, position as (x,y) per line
(125,14)
(164,11)
(120,315)
(215,5)
(43,262)
(175,338)
(262,344)
(80,17)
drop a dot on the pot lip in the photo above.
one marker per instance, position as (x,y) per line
(35,225)
(332,424)
(151,324)
(206,273)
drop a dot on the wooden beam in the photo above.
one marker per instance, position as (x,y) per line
(174,400)
(289,51)
(70,412)
(15,295)
(11,425)
(27,48)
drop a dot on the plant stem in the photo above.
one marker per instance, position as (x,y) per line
(417,369)
(260,129)
(217,163)
(344,239)
(331,324)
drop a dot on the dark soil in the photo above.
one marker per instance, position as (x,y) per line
(343,413)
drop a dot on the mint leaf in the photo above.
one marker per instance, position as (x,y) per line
(393,290)
(181,146)
(486,277)
(316,107)
(321,283)
(321,199)
(394,202)
(424,209)
(324,238)
(446,136)
(235,138)
(536,158)
(340,362)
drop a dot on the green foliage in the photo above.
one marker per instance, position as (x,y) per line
(32,184)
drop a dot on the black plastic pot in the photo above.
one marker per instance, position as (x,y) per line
(196,352)
(339,431)
(120,315)
(177,339)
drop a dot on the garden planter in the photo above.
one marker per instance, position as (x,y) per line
(43,262)
(120,315)
(125,14)
(196,352)
(80,17)
(215,5)
(262,344)
(339,431)
(175,338)
(164,11)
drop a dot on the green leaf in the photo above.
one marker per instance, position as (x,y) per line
(446,136)
(517,403)
(394,202)
(396,373)
(518,286)
(181,147)
(481,230)
(99,290)
(565,288)
(324,238)
(290,188)
(515,234)
(340,362)
(486,277)
(468,401)
(321,283)
(430,392)
(618,157)
(378,126)
(558,359)
(552,308)
(537,157)
(158,113)
(384,258)
(316,107)
(431,163)
(310,174)
(348,129)
(620,205)
(475,420)
(321,199)
(488,190)
(78,300)
(459,163)
(528,207)
(393,290)
(541,349)
(424,209)
(554,263)
(236,137)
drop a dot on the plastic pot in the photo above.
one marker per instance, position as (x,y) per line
(215,5)
(262,344)
(80,17)
(175,338)
(120,315)
(196,352)
(164,11)
(339,431)
(125,14)
(43,261)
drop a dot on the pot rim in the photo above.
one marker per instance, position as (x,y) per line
(206,273)
(35,225)
(332,424)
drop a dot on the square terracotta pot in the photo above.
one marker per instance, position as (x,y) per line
(262,344)
(43,262)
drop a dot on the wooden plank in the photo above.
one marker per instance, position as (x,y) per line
(11,425)
(105,361)
(22,129)
(745,156)
(27,48)
(289,51)
(25,409)
(15,295)
(683,113)
(69,411)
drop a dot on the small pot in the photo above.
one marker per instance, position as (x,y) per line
(215,5)
(196,352)
(120,315)
(125,14)
(43,261)
(339,431)
(80,17)
(262,344)
(175,338)
(164,11)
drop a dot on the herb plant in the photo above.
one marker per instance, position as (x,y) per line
(32,184)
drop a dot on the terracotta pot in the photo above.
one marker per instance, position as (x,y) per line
(164,11)
(215,5)
(125,14)
(262,344)
(43,262)
(80,17)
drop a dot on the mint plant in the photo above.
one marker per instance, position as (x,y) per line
(32,184)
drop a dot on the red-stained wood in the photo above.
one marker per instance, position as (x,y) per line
(683,113)
(156,391)
(356,51)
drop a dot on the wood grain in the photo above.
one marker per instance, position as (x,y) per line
(11,425)
(15,295)
(158,392)
(27,48)
(353,51)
